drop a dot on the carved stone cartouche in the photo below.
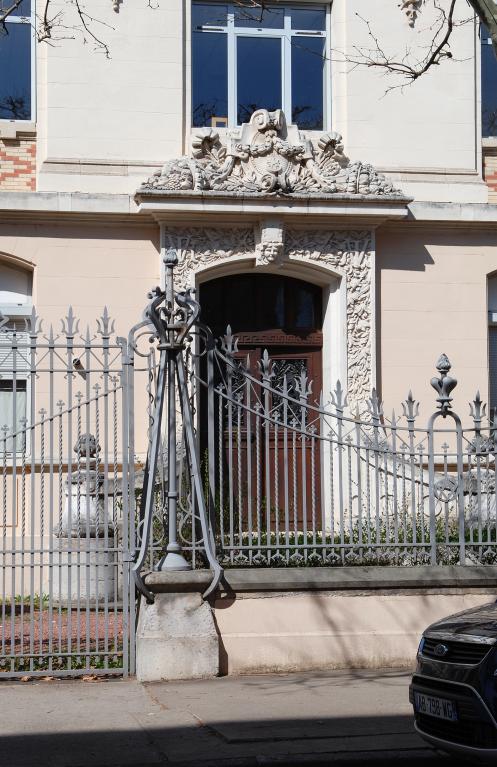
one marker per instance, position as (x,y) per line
(265,156)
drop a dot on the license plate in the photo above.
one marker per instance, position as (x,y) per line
(433,706)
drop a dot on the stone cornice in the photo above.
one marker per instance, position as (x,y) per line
(36,207)
(349,210)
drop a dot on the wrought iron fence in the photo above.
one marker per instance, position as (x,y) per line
(294,480)
(67,522)
(289,477)
(246,466)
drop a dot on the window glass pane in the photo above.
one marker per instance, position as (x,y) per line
(258,75)
(209,79)
(22,10)
(260,18)
(307,82)
(488,90)
(15,73)
(209,14)
(7,414)
(305,309)
(308,18)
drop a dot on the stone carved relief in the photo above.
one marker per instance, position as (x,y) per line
(350,254)
(347,252)
(268,157)
(269,243)
(206,246)
(412,9)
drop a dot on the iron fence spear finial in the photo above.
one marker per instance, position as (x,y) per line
(444,385)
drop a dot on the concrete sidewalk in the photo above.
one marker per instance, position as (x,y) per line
(313,718)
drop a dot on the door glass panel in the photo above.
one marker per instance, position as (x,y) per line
(305,315)
(255,304)
(210,79)
(307,82)
(15,73)
(292,369)
(258,75)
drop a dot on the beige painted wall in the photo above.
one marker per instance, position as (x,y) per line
(431,293)
(297,631)
(432,290)
(87,265)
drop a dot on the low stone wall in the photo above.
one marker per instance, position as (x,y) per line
(331,618)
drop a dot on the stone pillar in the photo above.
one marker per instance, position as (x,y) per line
(177,636)
(86,540)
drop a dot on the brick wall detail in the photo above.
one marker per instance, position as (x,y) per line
(490,172)
(18,164)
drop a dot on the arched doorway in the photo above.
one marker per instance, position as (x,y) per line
(273,312)
(282,315)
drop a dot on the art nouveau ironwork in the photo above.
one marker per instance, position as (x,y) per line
(252,466)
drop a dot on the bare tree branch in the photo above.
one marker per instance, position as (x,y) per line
(87,22)
(412,64)
(486,10)
(6,12)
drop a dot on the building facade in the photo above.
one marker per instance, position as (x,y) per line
(324,214)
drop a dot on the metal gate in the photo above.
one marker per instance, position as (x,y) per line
(67,499)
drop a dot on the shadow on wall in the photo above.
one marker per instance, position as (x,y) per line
(402,253)
(327,630)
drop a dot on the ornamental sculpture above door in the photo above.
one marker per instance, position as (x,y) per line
(265,156)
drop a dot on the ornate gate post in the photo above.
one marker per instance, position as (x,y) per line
(173,558)
(176,637)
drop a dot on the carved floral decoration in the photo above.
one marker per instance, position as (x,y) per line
(268,157)
(347,252)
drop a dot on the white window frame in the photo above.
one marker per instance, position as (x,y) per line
(31,20)
(285,34)
(19,377)
(19,313)
(20,374)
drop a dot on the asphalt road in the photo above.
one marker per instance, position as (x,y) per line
(348,718)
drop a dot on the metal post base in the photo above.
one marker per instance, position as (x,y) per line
(173,561)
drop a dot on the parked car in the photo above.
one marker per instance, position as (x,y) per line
(454,688)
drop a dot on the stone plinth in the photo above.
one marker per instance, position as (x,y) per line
(177,637)
(87,571)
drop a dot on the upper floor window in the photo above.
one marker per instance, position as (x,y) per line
(16,63)
(247,58)
(488,85)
